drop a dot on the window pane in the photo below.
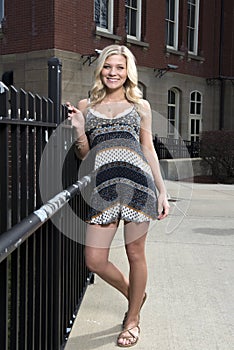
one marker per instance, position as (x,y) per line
(171,127)
(198,96)
(193,96)
(134,4)
(197,126)
(101,13)
(167,9)
(192,108)
(104,14)
(171,113)
(192,126)
(172,10)
(191,40)
(127,15)
(199,108)
(97,12)
(1,10)
(171,97)
(192,17)
(171,34)
(133,23)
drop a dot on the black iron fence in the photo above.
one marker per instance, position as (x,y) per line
(167,148)
(42,270)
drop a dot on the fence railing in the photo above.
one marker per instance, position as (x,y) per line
(167,148)
(42,274)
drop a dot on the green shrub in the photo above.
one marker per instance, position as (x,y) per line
(217,149)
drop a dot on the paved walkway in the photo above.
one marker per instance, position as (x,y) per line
(190,288)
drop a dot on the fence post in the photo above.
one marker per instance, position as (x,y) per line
(54,86)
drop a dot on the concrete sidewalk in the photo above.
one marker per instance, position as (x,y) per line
(190,303)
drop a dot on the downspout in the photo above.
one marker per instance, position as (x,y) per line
(222,81)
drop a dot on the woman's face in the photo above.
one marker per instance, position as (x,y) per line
(114,72)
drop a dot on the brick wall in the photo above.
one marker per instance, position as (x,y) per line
(33,25)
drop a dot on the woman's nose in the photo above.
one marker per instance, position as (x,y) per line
(112,71)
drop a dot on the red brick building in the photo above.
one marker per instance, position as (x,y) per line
(184,51)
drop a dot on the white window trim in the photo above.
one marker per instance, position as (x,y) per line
(175,135)
(176,27)
(110,19)
(195,116)
(197,10)
(138,23)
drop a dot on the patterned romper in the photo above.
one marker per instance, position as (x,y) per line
(124,187)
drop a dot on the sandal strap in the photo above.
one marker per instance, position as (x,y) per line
(132,335)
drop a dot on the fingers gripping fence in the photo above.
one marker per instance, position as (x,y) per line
(13,238)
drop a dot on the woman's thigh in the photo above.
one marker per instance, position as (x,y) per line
(135,232)
(100,236)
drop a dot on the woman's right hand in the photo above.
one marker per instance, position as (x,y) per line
(77,118)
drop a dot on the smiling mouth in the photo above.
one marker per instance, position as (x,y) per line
(112,79)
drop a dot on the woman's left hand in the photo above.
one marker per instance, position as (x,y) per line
(163,207)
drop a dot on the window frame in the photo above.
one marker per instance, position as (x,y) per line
(195,29)
(176,106)
(110,19)
(175,26)
(196,117)
(138,20)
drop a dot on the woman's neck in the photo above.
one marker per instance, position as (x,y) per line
(115,96)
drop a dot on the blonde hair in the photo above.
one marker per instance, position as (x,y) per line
(132,92)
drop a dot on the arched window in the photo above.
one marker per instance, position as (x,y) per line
(173,113)
(195,115)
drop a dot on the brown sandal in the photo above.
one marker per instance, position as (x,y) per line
(128,337)
(126,313)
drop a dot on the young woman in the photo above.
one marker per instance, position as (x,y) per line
(115,124)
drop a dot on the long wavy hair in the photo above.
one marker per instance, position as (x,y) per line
(132,92)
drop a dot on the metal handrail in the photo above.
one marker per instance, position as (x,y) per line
(14,237)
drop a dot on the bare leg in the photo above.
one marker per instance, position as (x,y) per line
(98,241)
(135,236)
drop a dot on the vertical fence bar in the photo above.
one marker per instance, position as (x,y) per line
(14,102)
(4,300)
(42,236)
(32,253)
(4,104)
(4,176)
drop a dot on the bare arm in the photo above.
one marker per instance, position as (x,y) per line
(151,156)
(76,115)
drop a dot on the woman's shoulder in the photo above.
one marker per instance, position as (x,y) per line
(143,107)
(144,104)
(83,105)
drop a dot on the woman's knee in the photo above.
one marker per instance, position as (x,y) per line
(135,252)
(95,261)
